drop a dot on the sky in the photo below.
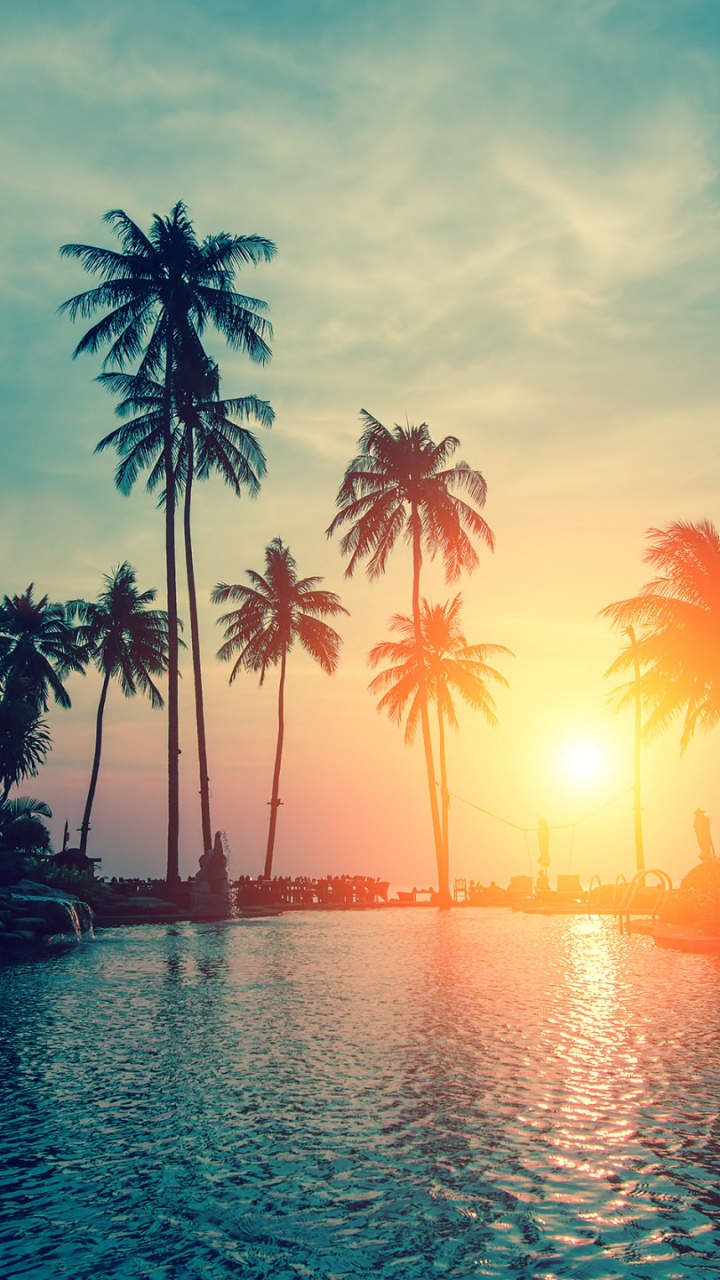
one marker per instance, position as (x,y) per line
(499,218)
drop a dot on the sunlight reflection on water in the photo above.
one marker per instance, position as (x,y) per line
(390,1093)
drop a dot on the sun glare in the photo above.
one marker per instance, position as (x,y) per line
(583,761)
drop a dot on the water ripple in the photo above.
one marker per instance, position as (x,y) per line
(396,1093)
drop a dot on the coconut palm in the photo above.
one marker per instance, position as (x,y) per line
(678,648)
(399,486)
(24,740)
(22,829)
(446,665)
(206,440)
(38,649)
(160,292)
(275,611)
(127,642)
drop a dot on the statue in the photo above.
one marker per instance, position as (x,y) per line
(701,827)
(211,894)
(544,843)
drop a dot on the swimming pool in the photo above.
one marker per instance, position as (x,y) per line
(390,1093)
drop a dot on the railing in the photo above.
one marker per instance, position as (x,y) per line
(594,887)
(654,906)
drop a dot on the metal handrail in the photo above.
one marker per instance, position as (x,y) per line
(595,886)
(638,882)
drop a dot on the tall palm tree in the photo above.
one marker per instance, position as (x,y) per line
(128,642)
(38,649)
(399,486)
(445,665)
(678,650)
(161,292)
(277,610)
(206,440)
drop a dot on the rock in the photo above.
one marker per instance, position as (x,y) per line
(37,924)
(45,911)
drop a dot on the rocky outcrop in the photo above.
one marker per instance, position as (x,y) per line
(35,915)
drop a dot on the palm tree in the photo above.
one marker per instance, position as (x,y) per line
(38,649)
(445,665)
(127,642)
(22,829)
(206,440)
(678,650)
(24,740)
(400,486)
(162,291)
(275,611)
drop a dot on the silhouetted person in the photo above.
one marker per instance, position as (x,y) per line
(544,842)
(701,826)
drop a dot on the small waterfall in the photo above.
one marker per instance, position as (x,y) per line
(64,917)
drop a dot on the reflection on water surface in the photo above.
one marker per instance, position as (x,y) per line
(391,1093)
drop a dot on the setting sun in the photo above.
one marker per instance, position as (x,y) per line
(583,761)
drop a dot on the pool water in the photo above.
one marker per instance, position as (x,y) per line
(389,1093)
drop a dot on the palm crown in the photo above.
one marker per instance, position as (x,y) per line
(445,665)
(399,485)
(167,281)
(679,648)
(276,610)
(38,648)
(206,440)
(127,641)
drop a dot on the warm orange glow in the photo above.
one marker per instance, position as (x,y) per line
(584,761)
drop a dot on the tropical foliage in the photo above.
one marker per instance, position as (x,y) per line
(277,610)
(399,486)
(127,642)
(678,645)
(22,829)
(160,293)
(24,740)
(445,667)
(38,649)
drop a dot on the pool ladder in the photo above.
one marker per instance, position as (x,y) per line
(654,909)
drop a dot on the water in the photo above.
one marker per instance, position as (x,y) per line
(400,1093)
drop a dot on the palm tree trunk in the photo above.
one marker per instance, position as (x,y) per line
(639,850)
(173,836)
(443,885)
(275,802)
(197,666)
(85,825)
(444,796)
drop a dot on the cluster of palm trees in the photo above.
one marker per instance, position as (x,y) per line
(159,293)
(41,644)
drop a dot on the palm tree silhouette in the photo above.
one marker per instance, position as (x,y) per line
(206,440)
(21,825)
(38,649)
(275,611)
(162,291)
(398,486)
(24,740)
(127,642)
(445,665)
(678,651)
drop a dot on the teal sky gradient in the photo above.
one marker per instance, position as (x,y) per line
(498,217)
